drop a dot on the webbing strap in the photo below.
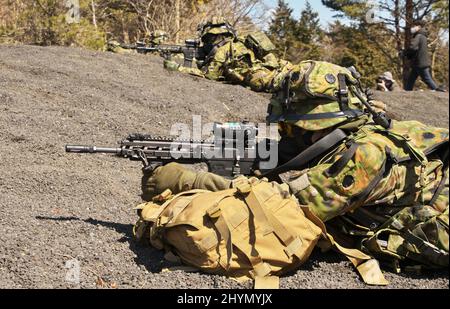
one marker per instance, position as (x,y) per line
(271,224)
(343,92)
(260,268)
(257,210)
(440,188)
(339,165)
(367,267)
(434,254)
(319,148)
(215,49)
(443,180)
(158,216)
(349,113)
(293,244)
(215,213)
(225,234)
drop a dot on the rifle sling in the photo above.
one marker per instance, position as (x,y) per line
(319,148)
(215,49)
(351,113)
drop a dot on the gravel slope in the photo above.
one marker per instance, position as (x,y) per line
(58,207)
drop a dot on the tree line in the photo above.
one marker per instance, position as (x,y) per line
(368,34)
(370,37)
(46,22)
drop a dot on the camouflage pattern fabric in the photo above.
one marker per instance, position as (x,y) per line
(230,59)
(398,219)
(158,37)
(233,62)
(115,47)
(405,184)
(313,89)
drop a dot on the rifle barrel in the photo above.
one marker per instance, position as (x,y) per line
(92,149)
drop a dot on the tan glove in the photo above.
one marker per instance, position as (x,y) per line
(178,179)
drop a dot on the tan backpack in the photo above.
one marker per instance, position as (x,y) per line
(255,231)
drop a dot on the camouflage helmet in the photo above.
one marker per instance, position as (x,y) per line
(113,43)
(158,37)
(217,26)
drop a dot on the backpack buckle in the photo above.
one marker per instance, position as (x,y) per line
(214,212)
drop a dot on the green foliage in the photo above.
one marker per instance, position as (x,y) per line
(43,22)
(379,44)
(353,49)
(282,30)
(296,40)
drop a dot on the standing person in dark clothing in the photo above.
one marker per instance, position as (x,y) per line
(420,58)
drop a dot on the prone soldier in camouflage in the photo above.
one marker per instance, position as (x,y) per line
(247,61)
(156,38)
(381,189)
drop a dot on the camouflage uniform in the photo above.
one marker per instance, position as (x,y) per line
(384,191)
(156,38)
(115,47)
(229,59)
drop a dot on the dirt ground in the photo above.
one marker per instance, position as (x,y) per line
(59,207)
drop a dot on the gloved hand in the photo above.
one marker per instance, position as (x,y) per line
(178,179)
(171,65)
(173,176)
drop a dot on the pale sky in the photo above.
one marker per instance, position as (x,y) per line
(325,14)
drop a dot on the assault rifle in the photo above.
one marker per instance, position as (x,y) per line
(235,150)
(191,51)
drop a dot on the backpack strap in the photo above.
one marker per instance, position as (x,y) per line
(213,52)
(182,204)
(260,268)
(339,165)
(350,114)
(215,214)
(367,267)
(426,249)
(343,92)
(444,179)
(271,224)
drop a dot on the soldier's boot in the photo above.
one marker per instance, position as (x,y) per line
(178,179)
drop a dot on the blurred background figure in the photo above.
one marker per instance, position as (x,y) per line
(386,82)
(420,58)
